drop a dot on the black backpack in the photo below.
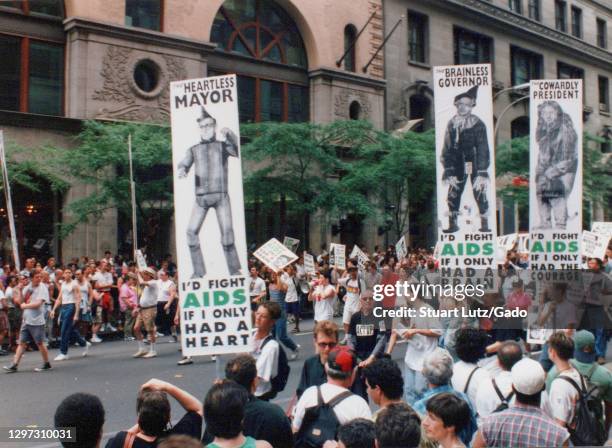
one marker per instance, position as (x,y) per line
(587,427)
(320,422)
(282,373)
(505,401)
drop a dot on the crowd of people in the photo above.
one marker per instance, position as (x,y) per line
(466,381)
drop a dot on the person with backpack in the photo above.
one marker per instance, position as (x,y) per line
(470,346)
(523,424)
(598,379)
(496,394)
(571,404)
(322,409)
(272,366)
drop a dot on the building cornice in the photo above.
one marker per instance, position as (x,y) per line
(134,34)
(496,15)
(599,4)
(350,77)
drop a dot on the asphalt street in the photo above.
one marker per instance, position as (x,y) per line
(30,399)
(109,371)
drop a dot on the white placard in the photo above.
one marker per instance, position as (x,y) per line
(601,227)
(400,248)
(594,245)
(275,255)
(555,179)
(209,216)
(309,263)
(291,243)
(140,260)
(465,174)
(339,255)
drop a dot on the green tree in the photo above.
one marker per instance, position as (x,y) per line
(101,160)
(296,166)
(399,170)
(512,160)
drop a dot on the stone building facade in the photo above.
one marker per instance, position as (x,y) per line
(113,59)
(523,39)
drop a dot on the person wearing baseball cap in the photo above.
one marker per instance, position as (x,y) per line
(147,312)
(523,424)
(341,369)
(584,361)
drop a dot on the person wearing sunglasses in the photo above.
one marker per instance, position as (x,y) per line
(325,339)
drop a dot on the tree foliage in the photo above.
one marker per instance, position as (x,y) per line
(300,163)
(512,159)
(101,160)
(398,169)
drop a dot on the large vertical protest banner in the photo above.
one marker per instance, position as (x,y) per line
(209,216)
(465,174)
(555,180)
(339,256)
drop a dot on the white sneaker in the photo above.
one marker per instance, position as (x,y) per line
(86,349)
(61,357)
(139,354)
(159,335)
(109,327)
(296,354)
(151,354)
(95,339)
(103,328)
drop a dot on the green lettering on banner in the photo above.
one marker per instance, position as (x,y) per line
(537,247)
(239,297)
(487,249)
(220,298)
(472,249)
(191,301)
(573,246)
(448,250)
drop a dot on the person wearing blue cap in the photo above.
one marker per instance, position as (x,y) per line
(584,362)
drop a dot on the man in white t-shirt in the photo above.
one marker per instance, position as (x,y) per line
(103,282)
(147,312)
(354,287)
(265,348)
(166,305)
(341,369)
(562,395)
(422,334)
(470,345)
(33,326)
(488,395)
(257,288)
(323,295)
(292,298)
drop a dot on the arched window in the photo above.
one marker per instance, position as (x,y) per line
(420,107)
(349,37)
(261,42)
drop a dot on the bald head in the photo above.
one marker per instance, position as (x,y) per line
(509,354)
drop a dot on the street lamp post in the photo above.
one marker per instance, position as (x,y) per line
(496,129)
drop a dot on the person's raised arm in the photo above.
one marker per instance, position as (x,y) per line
(185,399)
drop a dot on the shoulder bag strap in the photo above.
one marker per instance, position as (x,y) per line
(572,382)
(497,391)
(129,439)
(465,389)
(338,398)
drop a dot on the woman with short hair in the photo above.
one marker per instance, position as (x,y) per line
(447,415)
